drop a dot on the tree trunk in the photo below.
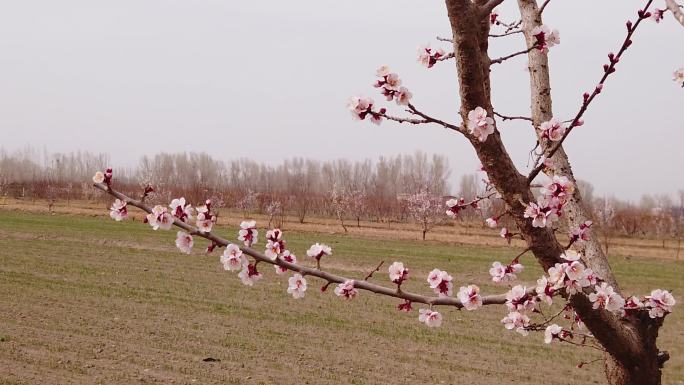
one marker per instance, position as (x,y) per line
(631,342)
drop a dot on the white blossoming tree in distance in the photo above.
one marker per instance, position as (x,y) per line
(577,272)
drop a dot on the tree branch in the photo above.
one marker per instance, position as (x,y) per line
(676,11)
(498,299)
(490,5)
(504,58)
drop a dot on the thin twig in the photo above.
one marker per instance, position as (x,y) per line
(506,117)
(504,58)
(541,10)
(370,275)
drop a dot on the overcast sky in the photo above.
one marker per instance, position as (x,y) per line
(269,80)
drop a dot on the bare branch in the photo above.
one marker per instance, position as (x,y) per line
(506,33)
(370,275)
(504,58)
(498,299)
(412,109)
(543,7)
(676,10)
(505,117)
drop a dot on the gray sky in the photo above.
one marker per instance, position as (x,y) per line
(269,80)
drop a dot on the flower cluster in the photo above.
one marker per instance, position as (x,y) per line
(205,219)
(181,210)
(554,331)
(605,297)
(549,205)
(657,15)
(479,124)
(428,57)
(398,273)
(501,273)
(430,318)
(658,304)
(390,84)
(346,289)
(454,206)
(361,107)
(441,282)
(571,274)
(118,211)
(275,244)
(518,321)
(546,37)
(552,130)
(285,256)
(249,274)
(248,233)
(159,218)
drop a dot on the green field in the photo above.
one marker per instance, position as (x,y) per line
(86,300)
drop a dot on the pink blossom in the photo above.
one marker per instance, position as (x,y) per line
(541,213)
(248,233)
(492,222)
(403,96)
(441,282)
(518,321)
(571,256)
(559,188)
(657,15)
(605,297)
(118,211)
(249,274)
(430,318)
(545,290)
(232,258)
(480,124)
(361,107)
(581,233)
(507,235)
(552,332)
(184,242)
(427,57)
(546,37)
(205,219)
(553,130)
(517,299)
(660,303)
(318,250)
(159,218)
(470,297)
(272,249)
(286,256)
(98,177)
(454,207)
(181,210)
(296,286)
(678,76)
(382,71)
(346,289)
(633,304)
(501,273)
(398,273)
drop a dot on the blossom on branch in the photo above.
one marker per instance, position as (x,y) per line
(552,130)
(678,76)
(288,257)
(480,124)
(501,273)
(546,37)
(118,211)
(605,297)
(159,218)
(441,282)
(428,57)
(470,297)
(205,219)
(518,321)
(184,242)
(248,233)
(296,286)
(318,250)
(398,273)
(346,289)
(249,274)
(660,303)
(361,107)
(181,210)
(430,318)
(232,258)
(518,300)
(581,233)
(552,332)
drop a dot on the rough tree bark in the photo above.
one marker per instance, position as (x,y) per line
(634,357)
